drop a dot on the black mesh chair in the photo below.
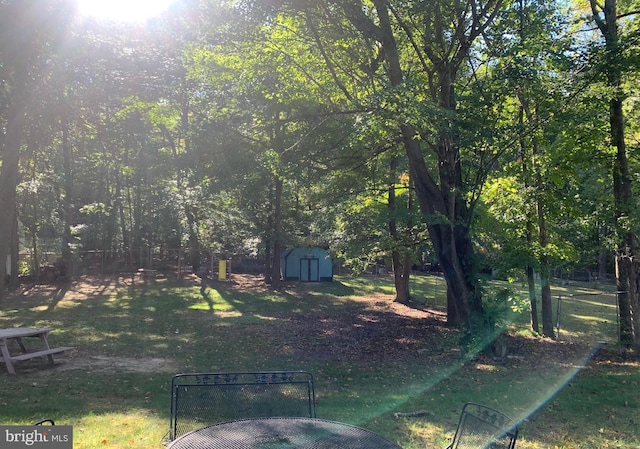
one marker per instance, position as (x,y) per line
(43,422)
(200,399)
(481,427)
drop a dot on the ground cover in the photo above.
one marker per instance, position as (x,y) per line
(393,368)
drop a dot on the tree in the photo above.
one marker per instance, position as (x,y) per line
(418,50)
(613,67)
(271,108)
(30,33)
(533,65)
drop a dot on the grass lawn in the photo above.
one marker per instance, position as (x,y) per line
(394,369)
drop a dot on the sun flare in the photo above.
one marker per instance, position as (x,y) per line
(123,10)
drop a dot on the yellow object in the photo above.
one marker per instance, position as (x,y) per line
(222,270)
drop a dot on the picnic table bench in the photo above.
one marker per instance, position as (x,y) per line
(16,335)
(147,273)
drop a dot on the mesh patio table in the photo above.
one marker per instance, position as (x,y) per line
(282,433)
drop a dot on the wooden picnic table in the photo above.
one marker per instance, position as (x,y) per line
(16,335)
(147,273)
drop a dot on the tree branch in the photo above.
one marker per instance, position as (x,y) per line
(327,60)
(407,31)
(596,9)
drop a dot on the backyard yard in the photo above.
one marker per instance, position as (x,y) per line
(396,369)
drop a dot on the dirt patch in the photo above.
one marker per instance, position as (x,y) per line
(98,363)
(117,364)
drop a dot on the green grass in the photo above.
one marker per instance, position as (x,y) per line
(114,387)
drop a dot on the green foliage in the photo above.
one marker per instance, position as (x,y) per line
(502,305)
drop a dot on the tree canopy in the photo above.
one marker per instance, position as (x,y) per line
(473,136)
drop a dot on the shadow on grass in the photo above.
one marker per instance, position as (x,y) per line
(371,358)
(215,327)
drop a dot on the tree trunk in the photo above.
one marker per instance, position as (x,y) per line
(547,305)
(190,209)
(626,252)
(533,301)
(605,15)
(545,268)
(401,276)
(35,255)
(67,221)
(447,222)
(10,161)
(268,271)
(635,300)
(602,264)
(267,261)
(623,275)
(545,273)
(400,258)
(122,216)
(634,292)
(277,232)
(132,231)
(530,217)
(15,253)
(194,240)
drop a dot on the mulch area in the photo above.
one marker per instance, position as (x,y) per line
(376,330)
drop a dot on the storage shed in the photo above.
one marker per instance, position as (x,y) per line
(311,264)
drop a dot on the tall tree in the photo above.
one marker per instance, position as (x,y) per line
(29,33)
(532,61)
(418,50)
(270,107)
(606,17)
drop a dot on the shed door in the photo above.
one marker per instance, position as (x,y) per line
(309,270)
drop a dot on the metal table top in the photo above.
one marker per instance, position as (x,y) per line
(282,433)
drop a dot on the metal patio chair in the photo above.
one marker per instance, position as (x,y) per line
(200,399)
(43,422)
(481,427)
